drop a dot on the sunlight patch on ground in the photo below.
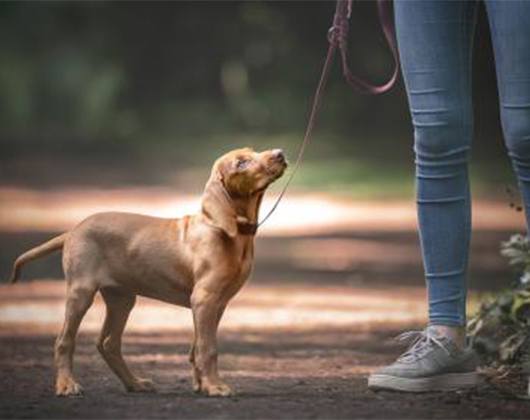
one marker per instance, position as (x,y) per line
(25,209)
(256,307)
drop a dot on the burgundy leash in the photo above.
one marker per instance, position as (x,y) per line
(338,38)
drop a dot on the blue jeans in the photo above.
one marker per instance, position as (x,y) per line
(435,45)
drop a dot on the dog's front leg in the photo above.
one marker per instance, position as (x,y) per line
(207,307)
(196,375)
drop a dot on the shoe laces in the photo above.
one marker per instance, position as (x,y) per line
(421,343)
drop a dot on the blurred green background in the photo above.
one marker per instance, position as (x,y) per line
(149,93)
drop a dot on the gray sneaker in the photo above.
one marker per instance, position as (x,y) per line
(432,363)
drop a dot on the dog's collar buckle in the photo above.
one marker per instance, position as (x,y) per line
(247,228)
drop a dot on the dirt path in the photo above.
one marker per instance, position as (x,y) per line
(297,342)
(289,352)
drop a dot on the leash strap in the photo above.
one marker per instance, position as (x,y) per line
(338,38)
(311,122)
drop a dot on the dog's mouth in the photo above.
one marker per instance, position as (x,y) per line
(276,167)
(275,171)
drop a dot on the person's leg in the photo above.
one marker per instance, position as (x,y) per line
(510,33)
(435,40)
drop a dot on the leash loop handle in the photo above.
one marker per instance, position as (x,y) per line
(338,35)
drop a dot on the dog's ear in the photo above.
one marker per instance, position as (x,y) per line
(216,206)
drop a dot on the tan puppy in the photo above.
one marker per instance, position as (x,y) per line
(198,261)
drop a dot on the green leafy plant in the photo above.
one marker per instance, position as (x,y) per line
(500,330)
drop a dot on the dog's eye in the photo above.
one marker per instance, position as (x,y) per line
(242,163)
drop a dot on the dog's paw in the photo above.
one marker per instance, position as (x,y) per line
(142,385)
(196,385)
(217,390)
(67,387)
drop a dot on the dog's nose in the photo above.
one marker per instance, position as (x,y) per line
(278,154)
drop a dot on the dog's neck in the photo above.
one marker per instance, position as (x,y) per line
(243,208)
(247,210)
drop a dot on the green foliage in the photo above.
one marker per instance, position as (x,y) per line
(500,330)
(79,77)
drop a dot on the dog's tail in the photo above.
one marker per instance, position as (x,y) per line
(37,252)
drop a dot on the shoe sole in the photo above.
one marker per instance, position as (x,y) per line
(446,382)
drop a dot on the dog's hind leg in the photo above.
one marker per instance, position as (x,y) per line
(78,300)
(119,305)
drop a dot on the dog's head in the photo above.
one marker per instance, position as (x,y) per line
(239,178)
(244,172)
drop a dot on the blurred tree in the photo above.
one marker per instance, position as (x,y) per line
(153,77)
